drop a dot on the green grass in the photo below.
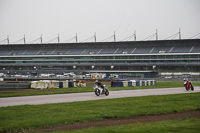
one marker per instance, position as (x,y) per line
(170,126)
(35,116)
(159,84)
(47,91)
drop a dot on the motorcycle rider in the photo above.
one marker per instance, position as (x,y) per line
(99,84)
(187,83)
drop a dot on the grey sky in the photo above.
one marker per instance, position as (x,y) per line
(84,17)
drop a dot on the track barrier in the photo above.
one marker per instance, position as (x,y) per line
(133,83)
(47,84)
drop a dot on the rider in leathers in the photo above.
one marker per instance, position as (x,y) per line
(98,83)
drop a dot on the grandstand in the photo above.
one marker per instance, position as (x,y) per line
(146,58)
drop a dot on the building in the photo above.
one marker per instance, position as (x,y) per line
(131,58)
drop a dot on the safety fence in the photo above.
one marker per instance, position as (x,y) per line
(132,83)
(14,85)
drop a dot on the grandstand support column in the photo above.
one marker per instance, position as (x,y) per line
(179,33)
(135,35)
(76,38)
(41,38)
(156,34)
(24,40)
(114,37)
(95,38)
(58,38)
(8,39)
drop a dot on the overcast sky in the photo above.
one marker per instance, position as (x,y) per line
(84,17)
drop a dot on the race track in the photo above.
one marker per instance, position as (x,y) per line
(61,98)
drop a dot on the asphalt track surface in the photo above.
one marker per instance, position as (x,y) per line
(74,97)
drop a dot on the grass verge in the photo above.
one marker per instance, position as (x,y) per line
(34,116)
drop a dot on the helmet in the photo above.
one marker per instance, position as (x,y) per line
(96,81)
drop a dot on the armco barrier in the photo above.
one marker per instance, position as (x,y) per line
(154,81)
(14,85)
(151,81)
(60,84)
(133,83)
(113,83)
(130,83)
(137,82)
(147,83)
(71,84)
(143,83)
(63,84)
(119,84)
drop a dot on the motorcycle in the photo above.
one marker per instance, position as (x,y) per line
(188,86)
(100,91)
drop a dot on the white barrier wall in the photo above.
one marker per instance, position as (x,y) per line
(125,83)
(54,84)
(65,84)
(140,82)
(34,84)
(39,85)
(149,82)
(44,84)
(133,82)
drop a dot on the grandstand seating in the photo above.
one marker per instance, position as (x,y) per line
(31,52)
(91,51)
(107,51)
(196,49)
(75,51)
(143,50)
(124,50)
(159,49)
(17,52)
(4,52)
(129,56)
(182,49)
(151,47)
(59,52)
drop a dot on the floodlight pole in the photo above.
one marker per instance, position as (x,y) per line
(179,33)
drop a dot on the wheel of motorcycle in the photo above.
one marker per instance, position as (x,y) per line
(97,92)
(186,88)
(192,88)
(106,92)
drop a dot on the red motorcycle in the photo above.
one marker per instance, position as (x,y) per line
(188,85)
